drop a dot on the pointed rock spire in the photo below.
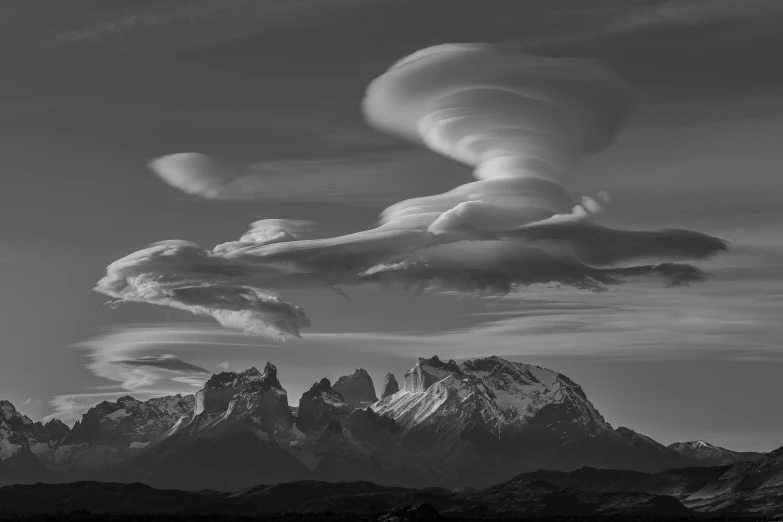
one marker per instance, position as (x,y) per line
(390,385)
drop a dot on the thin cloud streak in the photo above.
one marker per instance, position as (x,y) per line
(116,355)
(733,319)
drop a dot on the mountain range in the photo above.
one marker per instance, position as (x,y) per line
(476,424)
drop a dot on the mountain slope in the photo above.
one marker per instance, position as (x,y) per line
(747,487)
(679,483)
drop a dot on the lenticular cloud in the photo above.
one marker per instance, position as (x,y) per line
(521,122)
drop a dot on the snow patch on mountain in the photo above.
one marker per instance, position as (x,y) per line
(706,453)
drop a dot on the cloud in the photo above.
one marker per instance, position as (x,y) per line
(368,179)
(166,362)
(185,24)
(117,355)
(521,122)
(224,365)
(736,320)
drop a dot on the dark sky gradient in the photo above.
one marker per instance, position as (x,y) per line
(91,91)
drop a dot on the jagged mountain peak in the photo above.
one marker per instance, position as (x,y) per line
(12,418)
(9,413)
(243,393)
(23,440)
(499,393)
(318,388)
(435,362)
(8,410)
(129,423)
(358,372)
(357,389)
(260,380)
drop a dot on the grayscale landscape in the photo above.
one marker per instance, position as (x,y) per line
(409,260)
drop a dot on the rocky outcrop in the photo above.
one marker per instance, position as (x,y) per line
(390,386)
(320,404)
(233,401)
(220,390)
(357,389)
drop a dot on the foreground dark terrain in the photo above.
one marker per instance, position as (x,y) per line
(751,491)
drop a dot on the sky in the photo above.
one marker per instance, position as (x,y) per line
(93,92)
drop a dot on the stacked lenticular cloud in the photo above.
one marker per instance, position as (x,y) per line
(521,122)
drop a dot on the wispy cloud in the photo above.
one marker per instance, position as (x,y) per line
(119,355)
(367,179)
(186,23)
(733,317)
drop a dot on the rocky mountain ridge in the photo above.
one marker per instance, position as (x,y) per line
(472,424)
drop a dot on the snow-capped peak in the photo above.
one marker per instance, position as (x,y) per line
(504,393)
(703,451)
